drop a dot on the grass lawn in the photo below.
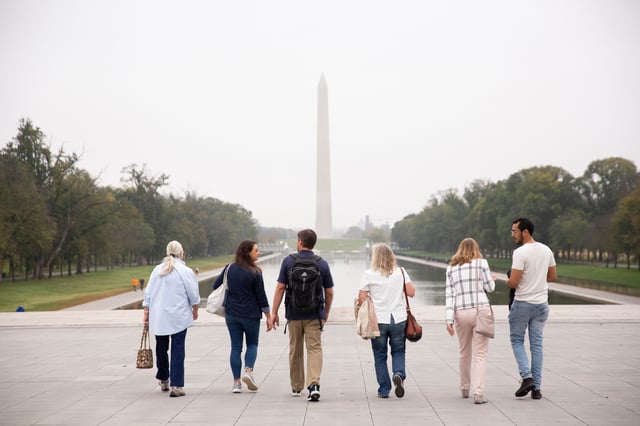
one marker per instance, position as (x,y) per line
(62,292)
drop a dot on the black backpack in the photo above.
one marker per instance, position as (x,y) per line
(304,291)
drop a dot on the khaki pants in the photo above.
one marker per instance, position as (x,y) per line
(303,332)
(473,350)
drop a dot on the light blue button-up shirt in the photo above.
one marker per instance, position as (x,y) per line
(170,298)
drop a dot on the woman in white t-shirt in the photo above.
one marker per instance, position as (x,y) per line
(383,282)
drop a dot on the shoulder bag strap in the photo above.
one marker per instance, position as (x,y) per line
(478,290)
(404,289)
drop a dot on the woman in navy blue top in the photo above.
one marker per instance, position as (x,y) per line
(245,303)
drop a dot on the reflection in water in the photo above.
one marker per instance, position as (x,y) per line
(347,268)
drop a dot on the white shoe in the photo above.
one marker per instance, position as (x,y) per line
(248,380)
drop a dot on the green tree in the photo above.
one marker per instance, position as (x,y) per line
(626,226)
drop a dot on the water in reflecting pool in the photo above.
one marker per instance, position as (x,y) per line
(347,271)
(347,268)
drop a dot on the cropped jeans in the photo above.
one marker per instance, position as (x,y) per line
(239,327)
(395,336)
(525,315)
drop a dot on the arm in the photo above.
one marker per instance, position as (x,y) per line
(277,299)
(328,299)
(194,311)
(449,303)
(552,274)
(411,290)
(362,294)
(516,277)
(263,302)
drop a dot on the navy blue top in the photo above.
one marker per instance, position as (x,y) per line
(245,292)
(283,277)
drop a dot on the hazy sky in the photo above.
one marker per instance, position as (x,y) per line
(424,96)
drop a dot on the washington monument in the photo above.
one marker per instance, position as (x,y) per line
(323,172)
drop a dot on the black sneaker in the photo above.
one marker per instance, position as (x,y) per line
(314,393)
(536,394)
(397,380)
(526,386)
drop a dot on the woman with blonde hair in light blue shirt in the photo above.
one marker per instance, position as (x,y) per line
(171,301)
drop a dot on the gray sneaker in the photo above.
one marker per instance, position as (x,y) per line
(399,383)
(176,391)
(164,385)
(248,380)
(237,388)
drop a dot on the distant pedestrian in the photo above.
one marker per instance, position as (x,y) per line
(171,302)
(141,281)
(467,279)
(134,284)
(384,283)
(245,303)
(533,267)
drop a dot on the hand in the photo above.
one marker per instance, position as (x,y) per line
(275,320)
(450,329)
(269,324)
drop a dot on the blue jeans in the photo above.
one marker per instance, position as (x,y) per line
(521,316)
(176,371)
(240,327)
(394,334)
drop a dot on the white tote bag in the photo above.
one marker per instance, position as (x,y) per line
(215,301)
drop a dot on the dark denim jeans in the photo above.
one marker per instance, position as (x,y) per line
(393,334)
(238,328)
(176,371)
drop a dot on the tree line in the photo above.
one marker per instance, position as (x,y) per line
(594,217)
(55,218)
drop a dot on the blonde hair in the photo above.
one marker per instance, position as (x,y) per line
(383,259)
(174,249)
(468,249)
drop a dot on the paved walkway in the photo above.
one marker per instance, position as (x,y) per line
(77,367)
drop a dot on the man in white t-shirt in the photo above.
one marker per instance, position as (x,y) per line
(532,268)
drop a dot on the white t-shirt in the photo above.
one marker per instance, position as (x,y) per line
(534,259)
(387,294)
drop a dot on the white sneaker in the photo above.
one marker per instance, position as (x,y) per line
(237,388)
(248,380)
(296,393)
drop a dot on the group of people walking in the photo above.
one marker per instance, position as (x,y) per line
(171,302)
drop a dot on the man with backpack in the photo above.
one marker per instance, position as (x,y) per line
(307,286)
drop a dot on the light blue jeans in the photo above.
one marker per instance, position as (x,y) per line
(525,315)
(393,334)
